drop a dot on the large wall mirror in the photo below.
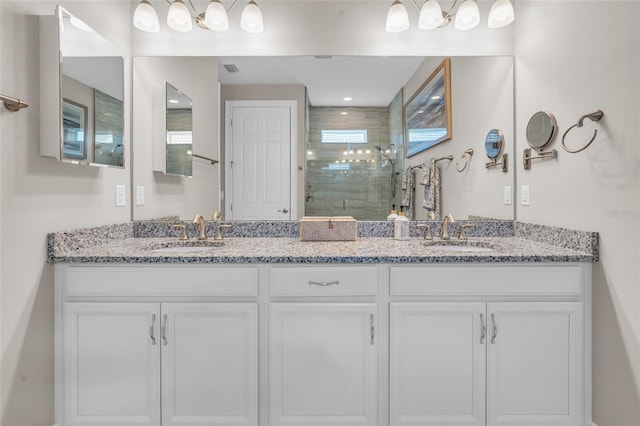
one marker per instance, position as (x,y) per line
(82,96)
(339,175)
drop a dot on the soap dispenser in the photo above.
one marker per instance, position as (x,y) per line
(401,226)
(393,215)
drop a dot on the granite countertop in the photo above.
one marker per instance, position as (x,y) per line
(291,250)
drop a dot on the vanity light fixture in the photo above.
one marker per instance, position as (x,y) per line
(432,16)
(180,16)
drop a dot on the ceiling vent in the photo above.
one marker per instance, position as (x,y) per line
(231,68)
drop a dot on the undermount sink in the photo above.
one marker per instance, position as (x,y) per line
(197,246)
(467,246)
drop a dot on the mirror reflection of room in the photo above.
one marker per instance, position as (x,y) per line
(179,132)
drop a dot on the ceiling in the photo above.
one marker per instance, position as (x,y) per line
(368,80)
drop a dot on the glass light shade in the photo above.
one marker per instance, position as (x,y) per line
(179,18)
(251,19)
(430,16)
(397,18)
(468,15)
(501,14)
(145,18)
(215,17)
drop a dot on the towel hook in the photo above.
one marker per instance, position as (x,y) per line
(593,116)
(468,152)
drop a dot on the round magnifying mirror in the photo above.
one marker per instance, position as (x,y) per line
(541,129)
(493,143)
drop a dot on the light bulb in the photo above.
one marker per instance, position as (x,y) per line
(501,14)
(430,16)
(215,17)
(145,18)
(468,15)
(397,18)
(251,19)
(178,17)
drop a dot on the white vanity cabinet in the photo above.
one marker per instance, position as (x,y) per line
(323,350)
(127,354)
(474,342)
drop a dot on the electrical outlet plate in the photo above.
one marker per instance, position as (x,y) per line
(139,195)
(507,195)
(120,196)
(524,195)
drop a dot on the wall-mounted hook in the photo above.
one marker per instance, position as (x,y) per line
(593,116)
(467,157)
(13,104)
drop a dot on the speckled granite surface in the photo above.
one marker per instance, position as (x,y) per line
(277,242)
(568,238)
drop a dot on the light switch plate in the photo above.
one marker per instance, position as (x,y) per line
(120,196)
(139,195)
(524,195)
(507,195)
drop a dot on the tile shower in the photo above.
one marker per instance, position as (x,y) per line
(354,167)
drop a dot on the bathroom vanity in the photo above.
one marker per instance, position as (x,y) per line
(274,331)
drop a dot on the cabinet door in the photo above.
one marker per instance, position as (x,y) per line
(535,364)
(323,364)
(438,354)
(209,363)
(111,369)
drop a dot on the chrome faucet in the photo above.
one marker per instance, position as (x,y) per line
(445,226)
(202,227)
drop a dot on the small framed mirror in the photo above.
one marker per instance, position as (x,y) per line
(493,145)
(179,133)
(541,130)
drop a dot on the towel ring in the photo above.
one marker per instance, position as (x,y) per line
(468,152)
(593,116)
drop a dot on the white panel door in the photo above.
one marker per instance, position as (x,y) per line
(438,354)
(260,160)
(111,364)
(535,366)
(209,363)
(323,364)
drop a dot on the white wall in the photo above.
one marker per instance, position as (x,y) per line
(573,57)
(167,195)
(39,195)
(481,100)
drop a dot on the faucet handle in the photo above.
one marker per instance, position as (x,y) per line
(216,216)
(183,234)
(218,235)
(426,234)
(463,228)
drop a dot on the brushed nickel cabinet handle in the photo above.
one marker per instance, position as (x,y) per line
(483,326)
(495,329)
(324,283)
(373,330)
(153,323)
(164,329)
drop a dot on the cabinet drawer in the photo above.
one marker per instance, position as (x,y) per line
(160,281)
(500,280)
(324,281)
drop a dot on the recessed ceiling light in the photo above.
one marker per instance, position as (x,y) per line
(347,99)
(344,113)
(173,101)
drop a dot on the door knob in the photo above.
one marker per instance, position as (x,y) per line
(284,210)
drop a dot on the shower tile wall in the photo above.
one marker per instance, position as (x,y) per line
(357,184)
